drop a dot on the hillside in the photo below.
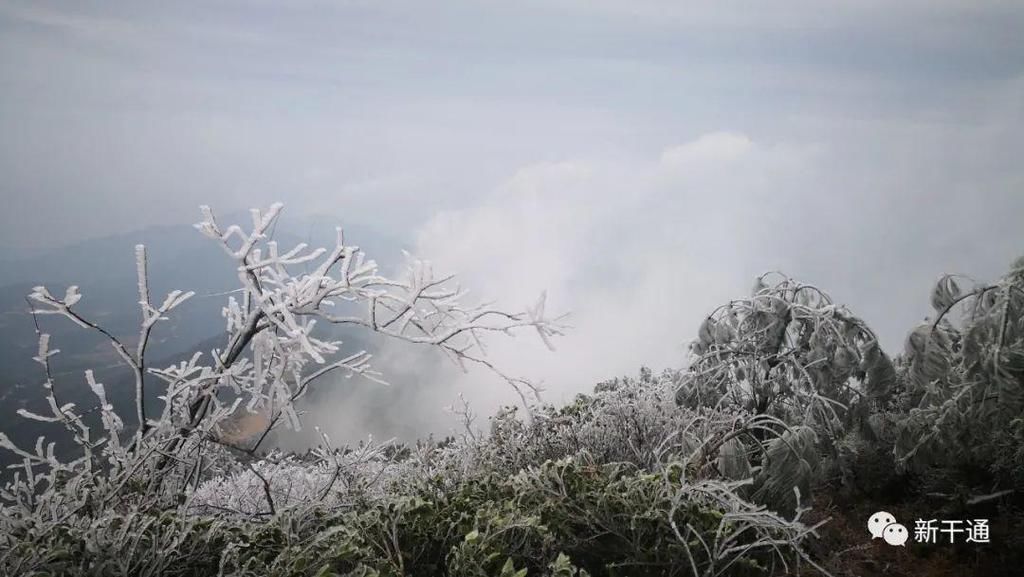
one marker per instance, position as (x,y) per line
(791,443)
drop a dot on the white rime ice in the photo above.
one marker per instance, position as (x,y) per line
(273,350)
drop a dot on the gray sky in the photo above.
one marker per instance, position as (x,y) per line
(640,160)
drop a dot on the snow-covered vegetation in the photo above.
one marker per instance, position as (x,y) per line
(720,468)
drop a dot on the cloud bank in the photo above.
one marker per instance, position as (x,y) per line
(640,161)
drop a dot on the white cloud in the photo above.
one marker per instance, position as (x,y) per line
(717,147)
(632,249)
(660,156)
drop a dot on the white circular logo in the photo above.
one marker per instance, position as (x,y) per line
(878,522)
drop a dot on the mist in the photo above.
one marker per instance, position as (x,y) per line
(638,162)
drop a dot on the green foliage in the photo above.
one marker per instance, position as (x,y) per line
(561,518)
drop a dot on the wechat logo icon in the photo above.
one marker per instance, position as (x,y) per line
(883,525)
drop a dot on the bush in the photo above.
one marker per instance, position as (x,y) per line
(561,517)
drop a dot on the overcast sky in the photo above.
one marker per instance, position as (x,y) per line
(640,160)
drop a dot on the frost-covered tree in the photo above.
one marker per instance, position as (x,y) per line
(965,378)
(804,369)
(788,351)
(273,352)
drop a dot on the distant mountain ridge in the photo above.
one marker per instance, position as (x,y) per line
(77,262)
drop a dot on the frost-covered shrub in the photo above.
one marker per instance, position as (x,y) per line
(864,466)
(965,378)
(790,352)
(612,426)
(244,492)
(566,517)
(799,371)
(330,478)
(626,420)
(630,420)
(158,459)
(1008,450)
